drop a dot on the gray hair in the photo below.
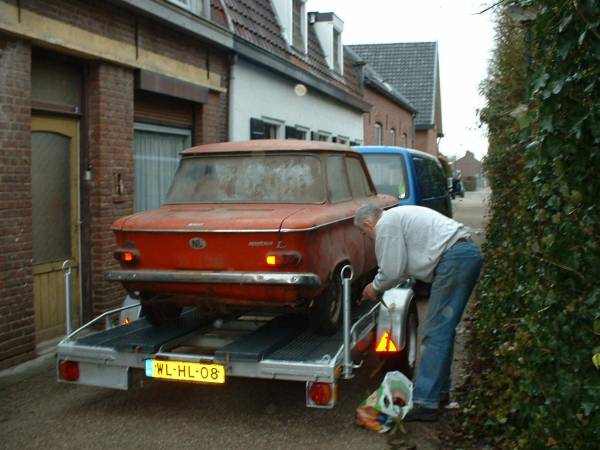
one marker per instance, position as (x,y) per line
(366,212)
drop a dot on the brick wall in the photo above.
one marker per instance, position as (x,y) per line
(426,141)
(17,332)
(391,116)
(110,137)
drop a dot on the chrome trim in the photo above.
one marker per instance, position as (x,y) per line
(200,230)
(201,277)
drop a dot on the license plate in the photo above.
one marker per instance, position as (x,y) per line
(185,371)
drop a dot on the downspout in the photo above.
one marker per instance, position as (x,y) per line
(231,103)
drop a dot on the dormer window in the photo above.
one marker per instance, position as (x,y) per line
(328,28)
(337,50)
(292,18)
(299,25)
(196,7)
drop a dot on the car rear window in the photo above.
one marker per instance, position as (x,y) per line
(388,173)
(248,179)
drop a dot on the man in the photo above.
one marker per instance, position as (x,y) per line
(420,242)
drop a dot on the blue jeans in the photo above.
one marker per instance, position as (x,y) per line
(453,281)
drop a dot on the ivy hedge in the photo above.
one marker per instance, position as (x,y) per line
(536,324)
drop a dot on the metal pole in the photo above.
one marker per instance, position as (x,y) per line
(346,284)
(66,267)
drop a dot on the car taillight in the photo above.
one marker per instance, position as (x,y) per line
(69,370)
(386,344)
(280,259)
(322,394)
(127,256)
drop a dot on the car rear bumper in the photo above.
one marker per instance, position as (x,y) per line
(204,277)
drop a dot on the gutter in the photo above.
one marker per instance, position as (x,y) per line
(197,26)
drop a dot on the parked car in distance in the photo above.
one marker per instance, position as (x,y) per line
(249,225)
(413,176)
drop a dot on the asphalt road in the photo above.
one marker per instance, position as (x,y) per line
(37,412)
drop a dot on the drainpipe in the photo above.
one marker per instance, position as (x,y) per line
(230,91)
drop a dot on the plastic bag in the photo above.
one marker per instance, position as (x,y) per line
(390,402)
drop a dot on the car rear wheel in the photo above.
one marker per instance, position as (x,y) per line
(405,360)
(160,311)
(326,312)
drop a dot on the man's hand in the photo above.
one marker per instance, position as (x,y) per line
(369,293)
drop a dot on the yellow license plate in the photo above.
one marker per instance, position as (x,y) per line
(185,371)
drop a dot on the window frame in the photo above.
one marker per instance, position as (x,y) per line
(343,158)
(378,133)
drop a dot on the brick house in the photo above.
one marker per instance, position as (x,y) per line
(471,171)
(413,70)
(391,119)
(95,98)
(291,77)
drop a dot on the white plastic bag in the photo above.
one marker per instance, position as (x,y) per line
(392,400)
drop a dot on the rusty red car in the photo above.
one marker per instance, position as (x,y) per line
(263,224)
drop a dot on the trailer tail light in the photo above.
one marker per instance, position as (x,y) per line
(321,395)
(127,256)
(386,344)
(69,370)
(281,259)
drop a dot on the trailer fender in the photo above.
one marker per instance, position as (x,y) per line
(393,315)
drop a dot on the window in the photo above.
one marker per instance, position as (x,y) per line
(337,51)
(271,131)
(156,156)
(424,181)
(264,129)
(388,173)
(337,181)
(392,137)
(404,140)
(358,179)
(322,136)
(198,7)
(439,182)
(378,133)
(299,25)
(270,178)
(296,133)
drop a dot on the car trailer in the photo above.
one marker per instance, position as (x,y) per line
(211,349)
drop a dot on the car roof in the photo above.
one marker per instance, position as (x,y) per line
(392,150)
(268,145)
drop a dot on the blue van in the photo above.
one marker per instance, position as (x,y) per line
(415,177)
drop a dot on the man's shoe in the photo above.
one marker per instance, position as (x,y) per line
(444,399)
(421,414)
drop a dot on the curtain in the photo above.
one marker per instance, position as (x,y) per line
(156,156)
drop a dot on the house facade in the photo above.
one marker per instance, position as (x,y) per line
(290,78)
(471,171)
(413,70)
(391,119)
(95,99)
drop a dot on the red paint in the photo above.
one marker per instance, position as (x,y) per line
(239,237)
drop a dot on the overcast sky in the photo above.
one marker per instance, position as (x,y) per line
(464,38)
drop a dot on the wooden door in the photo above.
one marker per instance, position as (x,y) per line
(54,169)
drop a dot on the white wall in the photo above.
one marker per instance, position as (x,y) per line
(259,93)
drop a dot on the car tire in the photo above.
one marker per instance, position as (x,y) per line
(159,312)
(405,360)
(325,314)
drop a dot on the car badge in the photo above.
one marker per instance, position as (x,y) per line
(197,243)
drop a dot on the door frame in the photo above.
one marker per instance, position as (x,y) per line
(69,127)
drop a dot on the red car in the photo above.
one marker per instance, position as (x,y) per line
(250,225)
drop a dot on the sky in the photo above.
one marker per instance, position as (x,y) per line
(465,40)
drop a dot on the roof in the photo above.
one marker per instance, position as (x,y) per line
(267,145)
(376,81)
(378,149)
(257,23)
(412,69)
